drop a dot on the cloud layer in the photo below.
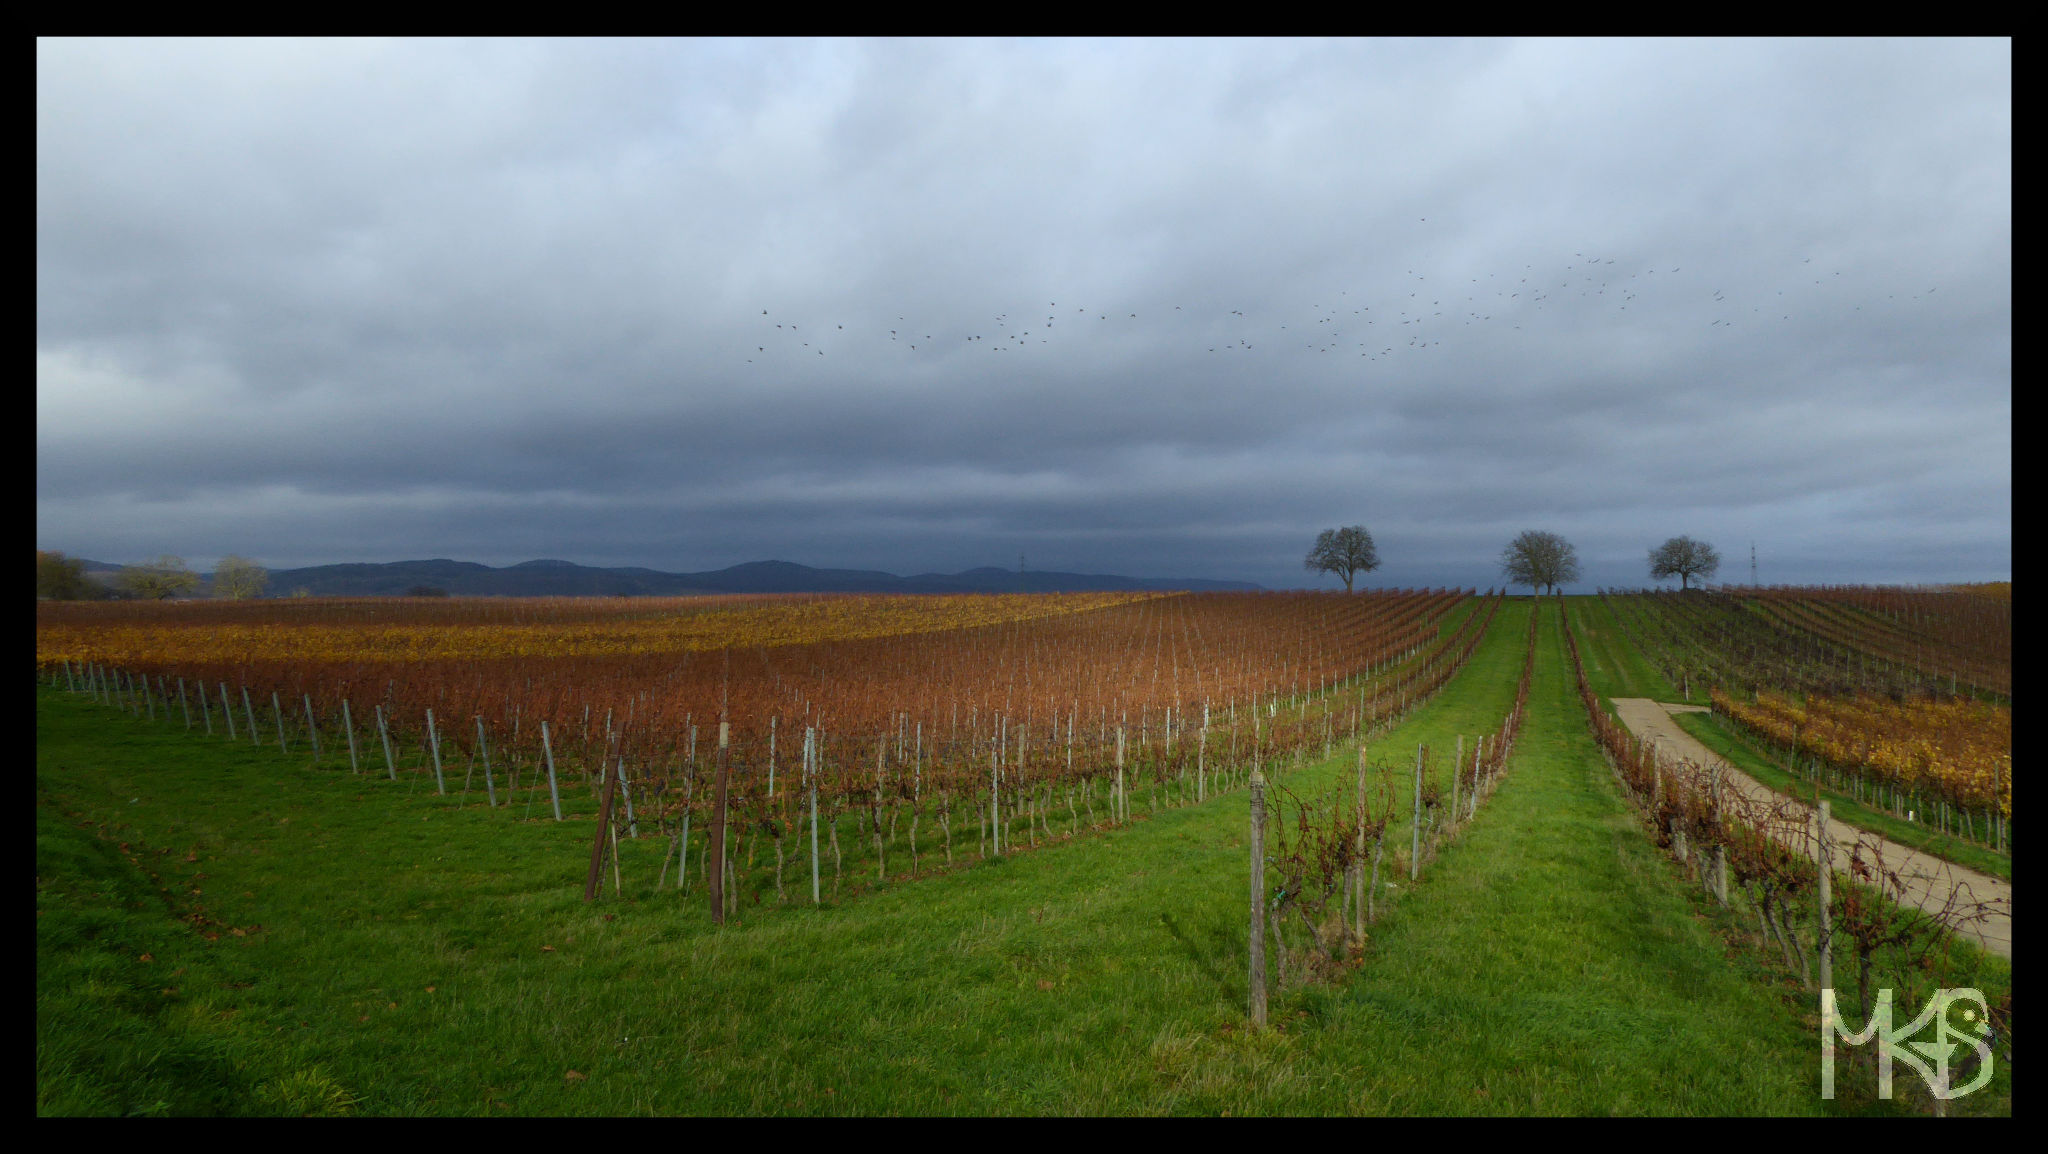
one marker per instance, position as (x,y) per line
(1157,308)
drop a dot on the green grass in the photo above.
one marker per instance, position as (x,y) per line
(393,956)
(1614,667)
(1724,738)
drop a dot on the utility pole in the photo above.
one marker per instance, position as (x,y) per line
(1752,564)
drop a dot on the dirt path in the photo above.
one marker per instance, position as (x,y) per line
(1930,881)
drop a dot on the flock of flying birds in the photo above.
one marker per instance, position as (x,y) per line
(1396,326)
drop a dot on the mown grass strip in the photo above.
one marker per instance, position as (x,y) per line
(1614,666)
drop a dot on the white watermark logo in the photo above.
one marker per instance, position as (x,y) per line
(1975,1031)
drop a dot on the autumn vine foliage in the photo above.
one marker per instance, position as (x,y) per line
(1021,717)
(1950,760)
(1770,848)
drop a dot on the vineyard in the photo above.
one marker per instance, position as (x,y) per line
(1800,872)
(1902,697)
(335,630)
(868,710)
(1951,761)
(986,855)
(1840,642)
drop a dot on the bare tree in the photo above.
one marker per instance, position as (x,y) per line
(238,577)
(1683,558)
(1538,558)
(1345,552)
(163,578)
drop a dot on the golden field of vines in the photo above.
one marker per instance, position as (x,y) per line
(1957,750)
(339,630)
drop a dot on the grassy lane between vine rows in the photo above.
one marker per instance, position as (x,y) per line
(221,931)
(1614,666)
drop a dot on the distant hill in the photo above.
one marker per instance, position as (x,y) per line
(548,578)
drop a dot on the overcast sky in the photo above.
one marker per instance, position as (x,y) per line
(1157,308)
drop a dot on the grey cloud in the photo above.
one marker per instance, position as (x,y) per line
(319,301)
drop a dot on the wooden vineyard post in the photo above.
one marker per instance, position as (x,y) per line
(1358,852)
(277,715)
(384,732)
(348,726)
(718,831)
(604,825)
(1478,763)
(995,809)
(875,814)
(1826,948)
(249,711)
(626,795)
(1372,885)
(1122,810)
(811,778)
(1258,899)
(1998,817)
(434,744)
(1415,823)
(205,713)
(483,743)
(187,710)
(312,729)
(1457,767)
(548,751)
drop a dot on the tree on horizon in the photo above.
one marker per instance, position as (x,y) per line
(1345,552)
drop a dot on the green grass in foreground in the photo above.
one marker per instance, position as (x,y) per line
(1723,737)
(407,954)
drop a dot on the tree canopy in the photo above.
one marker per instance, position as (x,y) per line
(61,578)
(238,577)
(1538,558)
(1345,552)
(163,578)
(1683,558)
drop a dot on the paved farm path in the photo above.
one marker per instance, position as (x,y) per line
(1930,881)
